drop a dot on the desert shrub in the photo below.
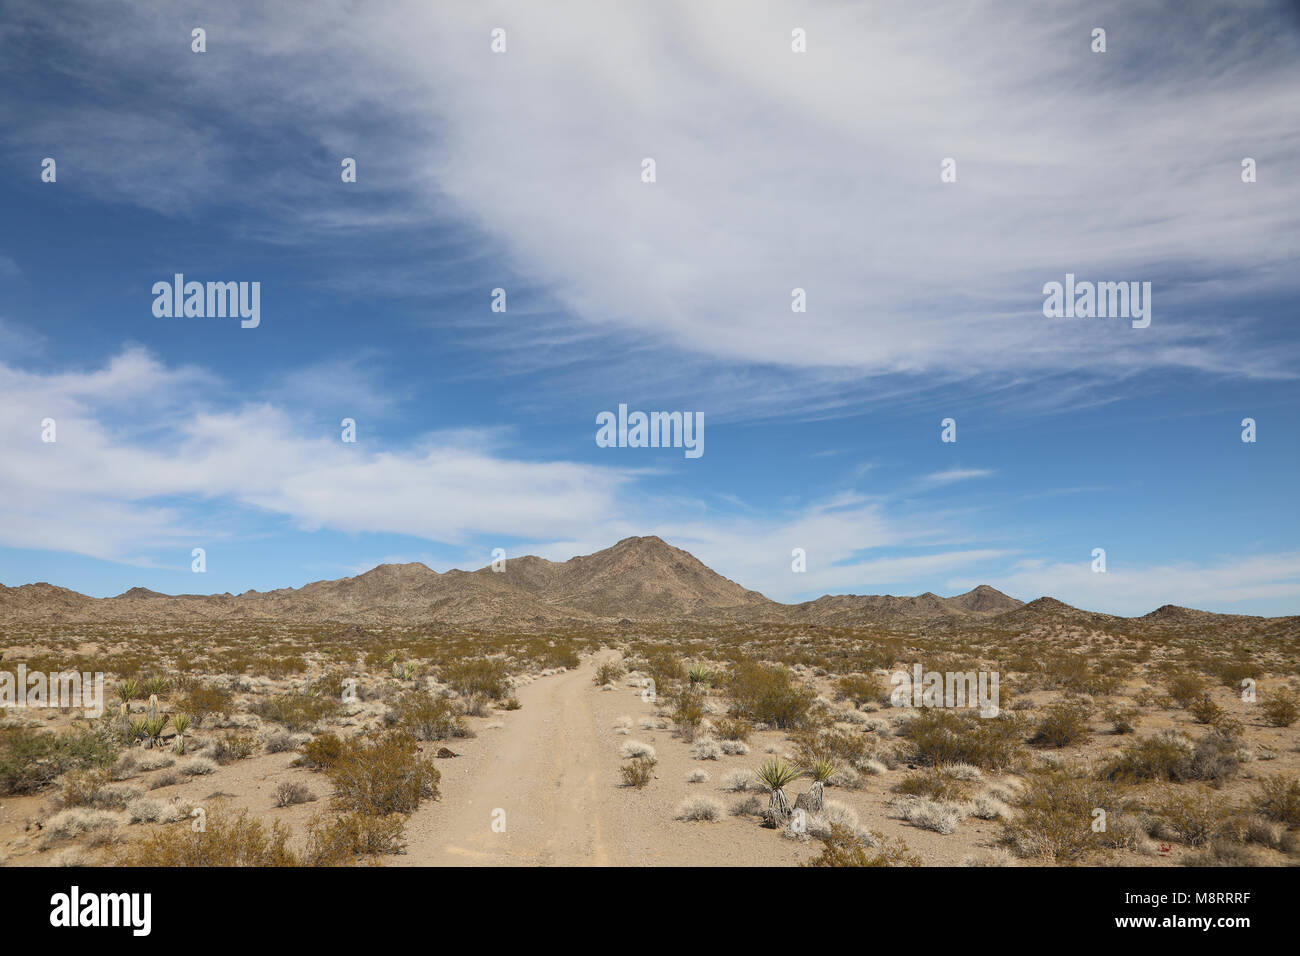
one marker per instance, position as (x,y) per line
(666,670)
(1222,852)
(1233,673)
(198,767)
(938,736)
(428,717)
(770,694)
(290,794)
(1186,689)
(859,688)
(383,775)
(278,742)
(697,776)
(1056,817)
(511,703)
(608,673)
(639,772)
(227,750)
(688,714)
(936,783)
(843,847)
(340,841)
(730,728)
(1214,758)
(1281,710)
(635,748)
(562,655)
(1164,756)
(31,759)
(202,701)
(229,839)
(487,677)
(323,752)
(83,788)
(1064,722)
(1205,710)
(840,746)
(700,808)
(1123,720)
(1279,799)
(1195,817)
(735,748)
(297,711)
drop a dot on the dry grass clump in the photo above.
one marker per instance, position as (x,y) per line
(290,794)
(939,816)
(382,775)
(197,767)
(738,781)
(77,822)
(733,729)
(635,748)
(700,808)
(697,776)
(149,810)
(706,750)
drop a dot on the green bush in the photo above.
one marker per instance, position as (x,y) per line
(426,717)
(770,694)
(383,775)
(31,759)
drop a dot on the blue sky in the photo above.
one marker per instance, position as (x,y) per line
(775,170)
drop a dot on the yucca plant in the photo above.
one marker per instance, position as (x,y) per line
(699,674)
(181,722)
(153,728)
(775,775)
(820,769)
(139,730)
(155,686)
(128,690)
(153,706)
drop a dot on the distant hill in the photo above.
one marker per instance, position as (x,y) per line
(637,579)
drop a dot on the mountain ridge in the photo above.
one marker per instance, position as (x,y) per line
(637,578)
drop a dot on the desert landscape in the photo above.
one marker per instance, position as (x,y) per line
(634,708)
